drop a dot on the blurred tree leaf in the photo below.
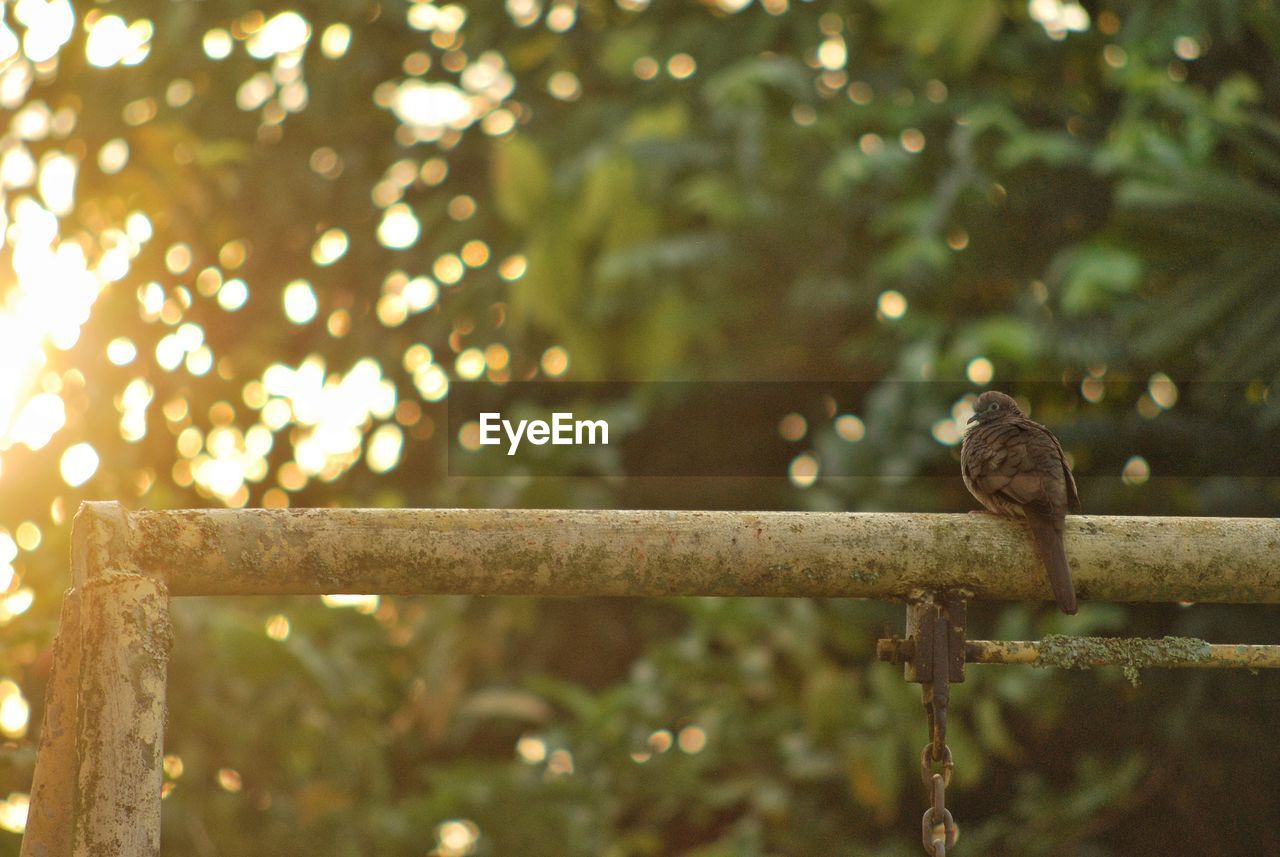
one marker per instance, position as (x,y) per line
(1091,277)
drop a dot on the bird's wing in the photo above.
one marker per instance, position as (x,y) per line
(1013,461)
(1073,497)
(1059,460)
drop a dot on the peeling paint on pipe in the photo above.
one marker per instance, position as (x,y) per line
(661,553)
(126,638)
(53,786)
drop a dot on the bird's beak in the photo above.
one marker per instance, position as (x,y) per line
(972,418)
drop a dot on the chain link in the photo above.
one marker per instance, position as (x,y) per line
(926,766)
(938,829)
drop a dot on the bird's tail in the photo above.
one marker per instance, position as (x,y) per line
(1047,535)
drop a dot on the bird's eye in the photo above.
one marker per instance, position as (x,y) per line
(995,406)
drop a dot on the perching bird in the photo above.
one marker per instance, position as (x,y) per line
(1015,467)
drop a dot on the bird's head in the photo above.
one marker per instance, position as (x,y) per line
(992,405)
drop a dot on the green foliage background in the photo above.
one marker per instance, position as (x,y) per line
(1085,202)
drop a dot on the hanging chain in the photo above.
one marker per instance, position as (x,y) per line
(934,652)
(938,829)
(933,656)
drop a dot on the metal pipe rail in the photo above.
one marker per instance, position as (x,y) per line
(96,791)
(1089,652)
(656,553)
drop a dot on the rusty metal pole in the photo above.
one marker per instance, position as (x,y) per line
(126,638)
(53,787)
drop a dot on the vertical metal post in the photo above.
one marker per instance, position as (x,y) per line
(120,737)
(53,787)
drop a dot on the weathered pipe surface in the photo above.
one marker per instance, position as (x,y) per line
(126,637)
(53,787)
(1087,652)
(656,553)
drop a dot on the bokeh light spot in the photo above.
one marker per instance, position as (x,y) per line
(832,53)
(946,432)
(113,156)
(300,302)
(564,85)
(531,749)
(15,712)
(555,361)
(28,535)
(681,66)
(891,304)
(462,207)
(850,428)
(470,364)
(645,68)
(1163,391)
(335,41)
(1136,471)
(229,780)
(693,739)
(980,371)
(233,294)
(13,812)
(384,448)
(448,269)
(330,247)
(277,627)
(399,227)
(793,427)
(121,351)
(475,254)
(513,268)
(1093,390)
(78,464)
(456,838)
(1187,48)
(217,44)
(803,470)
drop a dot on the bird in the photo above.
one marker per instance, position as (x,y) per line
(1016,468)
